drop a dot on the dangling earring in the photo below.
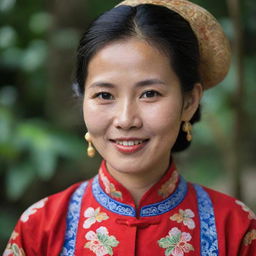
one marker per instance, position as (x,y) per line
(187,127)
(90,150)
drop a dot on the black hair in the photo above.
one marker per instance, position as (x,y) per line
(158,25)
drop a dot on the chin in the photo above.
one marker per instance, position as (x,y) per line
(126,166)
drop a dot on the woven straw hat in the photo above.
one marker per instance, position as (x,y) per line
(215,53)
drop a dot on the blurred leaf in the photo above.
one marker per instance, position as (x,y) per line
(11,57)
(45,160)
(7,36)
(40,22)
(66,39)
(7,149)
(7,221)
(46,146)
(67,145)
(34,56)
(29,135)
(5,125)
(6,5)
(18,179)
(8,95)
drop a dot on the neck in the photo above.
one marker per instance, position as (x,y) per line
(139,182)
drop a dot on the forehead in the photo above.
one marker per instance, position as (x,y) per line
(129,58)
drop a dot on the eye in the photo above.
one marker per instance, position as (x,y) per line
(150,94)
(104,96)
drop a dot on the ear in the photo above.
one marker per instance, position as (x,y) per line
(191,102)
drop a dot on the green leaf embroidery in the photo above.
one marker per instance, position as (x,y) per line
(175,240)
(164,242)
(169,250)
(109,250)
(112,241)
(117,194)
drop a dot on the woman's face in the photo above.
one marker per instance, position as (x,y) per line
(133,106)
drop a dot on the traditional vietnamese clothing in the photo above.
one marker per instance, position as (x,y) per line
(99,217)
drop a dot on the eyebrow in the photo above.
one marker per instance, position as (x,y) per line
(150,82)
(139,84)
(102,84)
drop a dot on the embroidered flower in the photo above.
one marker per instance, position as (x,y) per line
(93,216)
(13,250)
(33,209)
(14,235)
(251,214)
(176,243)
(249,237)
(184,216)
(168,187)
(100,242)
(8,250)
(110,187)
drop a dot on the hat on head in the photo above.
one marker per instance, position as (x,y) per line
(214,47)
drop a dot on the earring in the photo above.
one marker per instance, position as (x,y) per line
(187,127)
(90,150)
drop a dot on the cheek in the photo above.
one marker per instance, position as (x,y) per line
(164,119)
(95,119)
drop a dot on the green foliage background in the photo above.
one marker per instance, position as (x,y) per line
(42,149)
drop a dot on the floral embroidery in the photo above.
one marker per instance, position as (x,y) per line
(8,250)
(251,215)
(110,187)
(249,237)
(109,203)
(167,204)
(93,216)
(168,187)
(14,235)
(100,242)
(33,209)
(176,243)
(13,249)
(184,216)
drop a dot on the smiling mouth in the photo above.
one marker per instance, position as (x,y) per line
(129,145)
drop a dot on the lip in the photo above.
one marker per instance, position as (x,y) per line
(131,148)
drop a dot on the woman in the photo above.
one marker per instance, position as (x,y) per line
(141,69)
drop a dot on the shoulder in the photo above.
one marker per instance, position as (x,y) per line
(230,212)
(50,206)
(235,222)
(43,224)
(227,204)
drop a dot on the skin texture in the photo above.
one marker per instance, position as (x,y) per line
(121,102)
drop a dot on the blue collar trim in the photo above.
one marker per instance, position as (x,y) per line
(72,220)
(146,211)
(208,232)
(109,203)
(168,204)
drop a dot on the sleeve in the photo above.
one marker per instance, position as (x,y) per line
(248,244)
(13,247)
(41,228)
(26,235)
(235,224)
(248,241)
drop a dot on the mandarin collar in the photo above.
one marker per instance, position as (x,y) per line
(159,192)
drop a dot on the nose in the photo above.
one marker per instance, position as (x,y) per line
(127,116)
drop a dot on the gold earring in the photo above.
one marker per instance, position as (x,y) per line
(90,150)
(187,127)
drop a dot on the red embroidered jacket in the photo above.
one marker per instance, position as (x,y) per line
(99,218)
